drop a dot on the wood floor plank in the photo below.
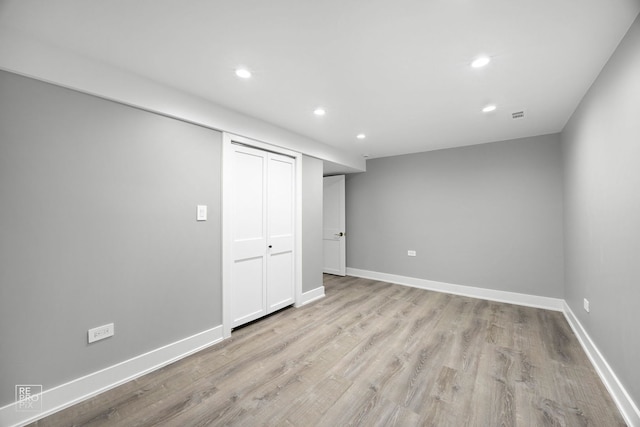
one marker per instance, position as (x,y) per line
(371,353)
(315,403)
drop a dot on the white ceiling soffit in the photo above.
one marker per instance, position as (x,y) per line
(332,168)
(397,71)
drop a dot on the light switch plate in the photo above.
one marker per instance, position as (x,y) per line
(202,213)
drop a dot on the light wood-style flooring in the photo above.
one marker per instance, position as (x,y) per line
(371,353)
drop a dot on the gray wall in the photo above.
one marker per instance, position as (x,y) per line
(311,223)
(601,146)
(97,225)
(488,216)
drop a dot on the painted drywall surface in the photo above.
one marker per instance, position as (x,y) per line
(311,223)
(601,147)
(488,216)
(98,225)
(30,57)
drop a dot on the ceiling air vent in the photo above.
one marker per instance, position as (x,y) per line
(517,115)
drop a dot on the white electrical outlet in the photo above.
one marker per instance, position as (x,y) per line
(101,332)
(411,253)
(586,305)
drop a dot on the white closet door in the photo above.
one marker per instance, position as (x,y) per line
(249,235)
(263,224)
(280,228)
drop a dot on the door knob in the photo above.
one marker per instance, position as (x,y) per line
(340,234)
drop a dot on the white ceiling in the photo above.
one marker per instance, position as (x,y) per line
(397,71)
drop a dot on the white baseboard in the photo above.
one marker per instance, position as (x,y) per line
(80,389)
(555,304)
(311,296)
(626,405)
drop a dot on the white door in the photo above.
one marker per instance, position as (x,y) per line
(280,229)
(333,232)
(263,224)
(249,235)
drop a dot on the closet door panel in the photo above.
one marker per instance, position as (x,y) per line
(249,230)
(280,228)
(280,290)
(249,196)
(280,196)
(248,290)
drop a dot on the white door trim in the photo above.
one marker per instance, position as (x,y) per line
(227,162)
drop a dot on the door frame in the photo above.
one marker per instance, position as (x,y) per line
(227,161)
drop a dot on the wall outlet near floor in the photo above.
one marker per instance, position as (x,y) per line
(101,332)
(411,253)
(586,305)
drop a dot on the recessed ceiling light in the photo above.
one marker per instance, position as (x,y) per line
(361,136)
(489,108)
(243,73)
(319,111)
(480,61)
